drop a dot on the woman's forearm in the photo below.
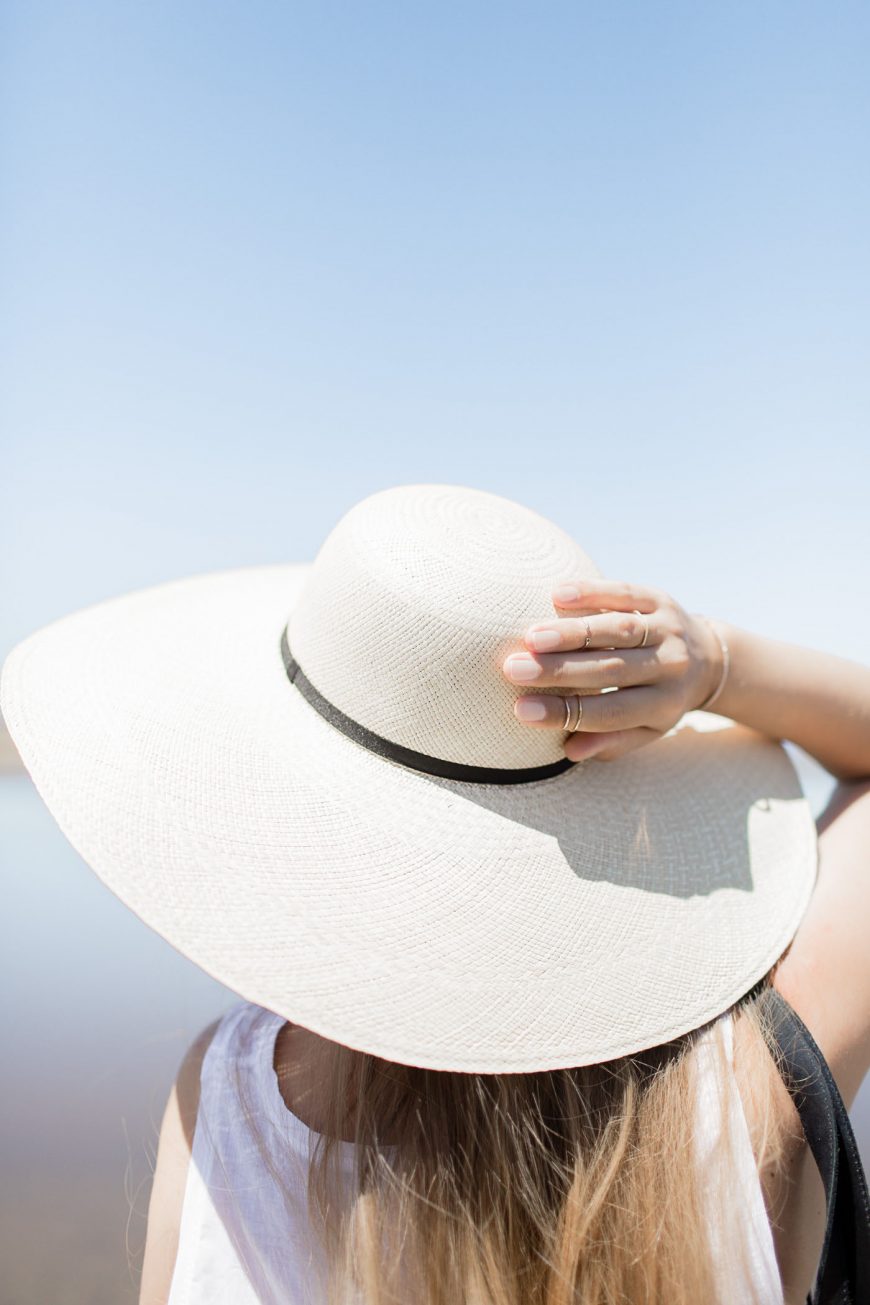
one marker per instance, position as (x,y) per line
(815,699)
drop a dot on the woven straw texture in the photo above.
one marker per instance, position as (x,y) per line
(475,927)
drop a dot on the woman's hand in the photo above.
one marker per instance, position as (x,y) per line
(596,647)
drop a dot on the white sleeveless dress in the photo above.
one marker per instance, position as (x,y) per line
(241,1242)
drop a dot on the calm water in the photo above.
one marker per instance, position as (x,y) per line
(97,1013)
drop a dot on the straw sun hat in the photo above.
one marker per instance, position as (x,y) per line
(309,779)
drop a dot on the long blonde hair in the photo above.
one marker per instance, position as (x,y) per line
(563,1187)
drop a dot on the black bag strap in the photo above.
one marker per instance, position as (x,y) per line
(843,1276)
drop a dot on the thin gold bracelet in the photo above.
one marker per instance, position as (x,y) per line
(726,664)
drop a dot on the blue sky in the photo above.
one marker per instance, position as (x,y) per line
(263,259)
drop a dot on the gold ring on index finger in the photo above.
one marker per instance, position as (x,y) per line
(573,709)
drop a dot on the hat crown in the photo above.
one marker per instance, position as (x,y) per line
(415,598)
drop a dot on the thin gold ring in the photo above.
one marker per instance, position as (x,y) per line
(573,707)
(642,643)
(588,632)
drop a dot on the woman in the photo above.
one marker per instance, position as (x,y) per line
(506,1033)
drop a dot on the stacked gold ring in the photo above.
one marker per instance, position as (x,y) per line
(573,701)
(573,712)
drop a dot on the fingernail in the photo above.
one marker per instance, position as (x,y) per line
(519,667)
(566,593)
(544,640)
(530,709)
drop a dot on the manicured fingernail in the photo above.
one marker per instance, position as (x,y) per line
(519,667)
(566,593)
(544,640)
(530,709)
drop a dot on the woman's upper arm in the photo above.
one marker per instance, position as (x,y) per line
(170,1175)
(825,975)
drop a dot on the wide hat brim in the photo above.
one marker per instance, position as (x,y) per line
(471,927)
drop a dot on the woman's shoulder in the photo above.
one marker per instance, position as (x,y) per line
(169,1180)
(791,1187)
(825,972)
(221,1044)
(240,1034)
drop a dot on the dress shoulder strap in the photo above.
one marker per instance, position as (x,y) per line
(843,1276)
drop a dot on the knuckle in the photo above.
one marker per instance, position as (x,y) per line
(609,712)
(611,670)
(674,658)
(556,670)
(629,628)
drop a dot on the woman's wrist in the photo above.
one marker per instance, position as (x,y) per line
(719,663)
(816,699)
